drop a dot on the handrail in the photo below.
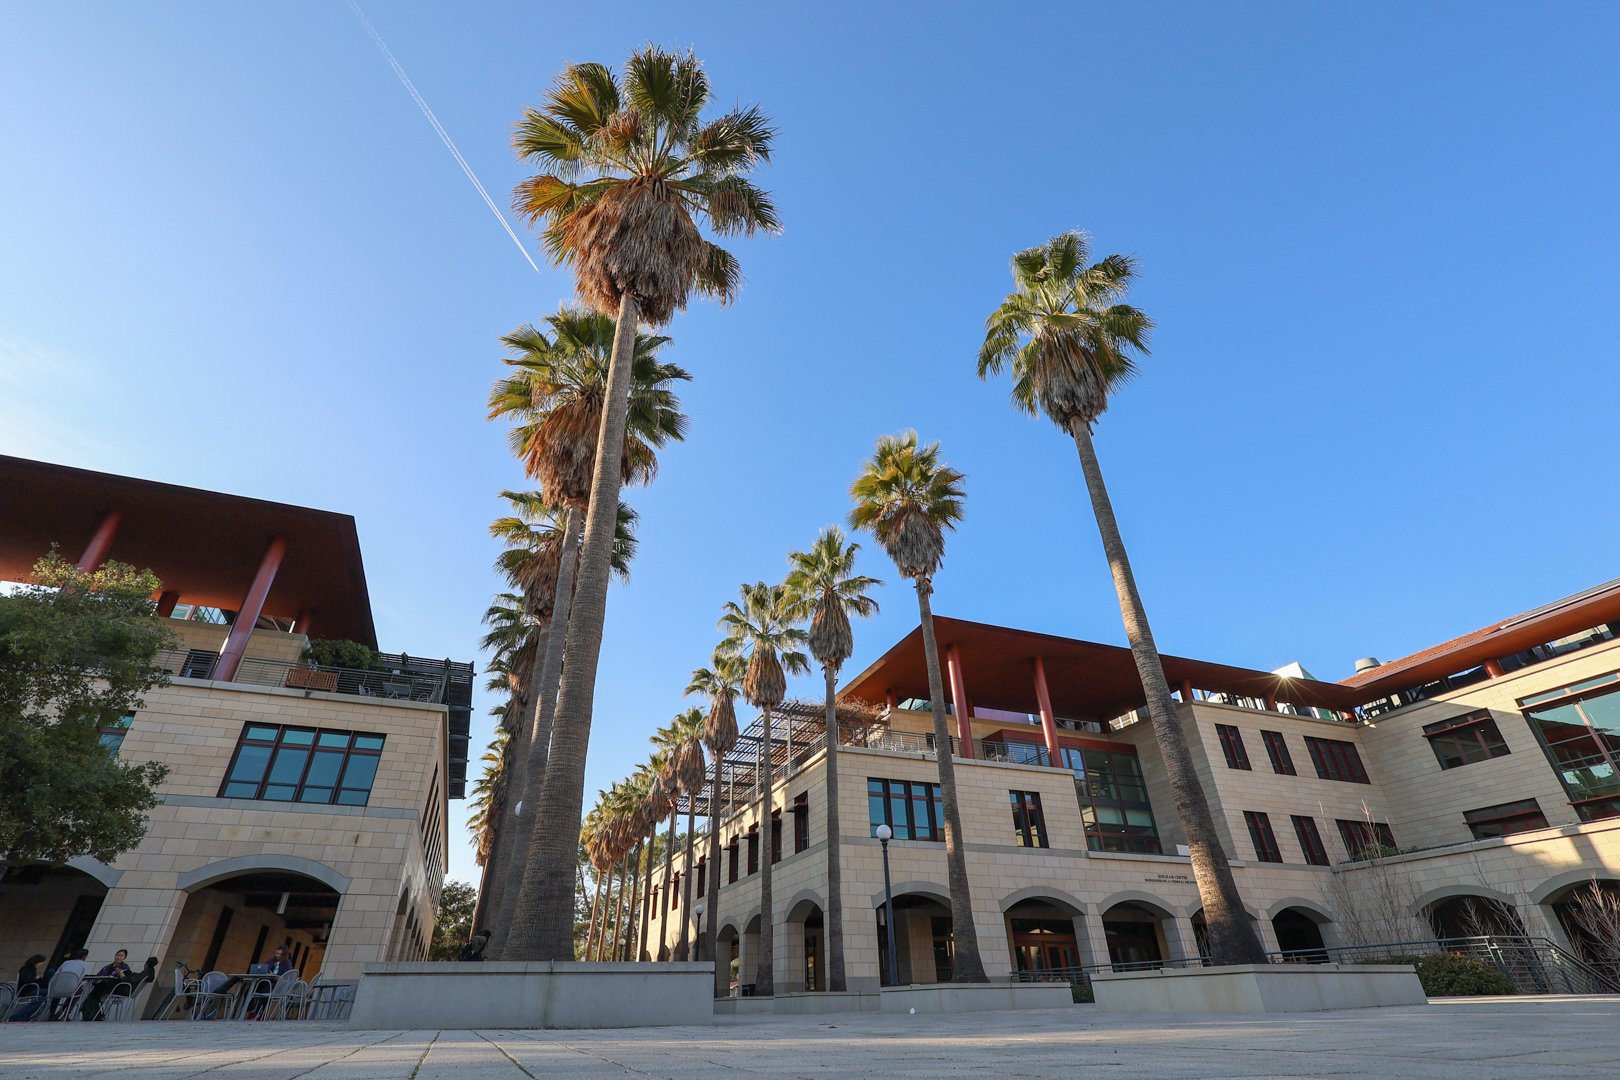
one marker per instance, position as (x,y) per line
(394,683)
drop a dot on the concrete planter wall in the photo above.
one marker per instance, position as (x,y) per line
(924,998)
(547,994)
(1258,988)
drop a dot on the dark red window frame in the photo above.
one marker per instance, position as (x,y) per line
(1237,757)
(1265,841)
(1282,761)
(1310,840)
(1336,759)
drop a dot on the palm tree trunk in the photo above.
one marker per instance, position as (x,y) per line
(612,951)
(683,951)
(506,857)
(835,873)
(596,910)
(635,893)
(1231,939)
(545,933)
(669,876)
(966,965)
(548,661)
(646,894)
(712,934)
(764,977)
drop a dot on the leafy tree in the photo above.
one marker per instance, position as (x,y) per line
(627,166)
(77,651)
(1071,343)
(454,925)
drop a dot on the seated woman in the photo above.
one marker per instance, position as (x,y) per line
(30,988)
(109,976)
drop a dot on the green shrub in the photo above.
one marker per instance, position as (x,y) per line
(330,652)
(1081,992)
(1455,975)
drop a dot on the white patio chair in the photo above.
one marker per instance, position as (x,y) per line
(62,987)
(118,1005)
(208,1000)
(23,995)
(270,997)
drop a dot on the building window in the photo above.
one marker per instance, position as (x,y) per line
(731,857)
(1505,819)
(1336,759)
(1579,728)
(703,876)
(675,892)
(910,808)
(1463,740)
(1232,746)
(290,764)
(112,733)
(801,823)
(753,850)
(1029,824)
(776,837)
(1366,839)
(1310,840)
(1265,841)
(1113,800)
(1277,749)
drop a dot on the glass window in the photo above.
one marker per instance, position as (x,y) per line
(1310,840)
(1581,737)
(1265,842)
(1277,749)
(908,807)
(1367,839)
(1232,746)
(801,826)
(1336,759)
(1029,824)
(1464,740)
(1113,800)
(302,765)
(1505,819)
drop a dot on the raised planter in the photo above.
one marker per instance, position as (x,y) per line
(976,997)
(542,994)
(1258,988)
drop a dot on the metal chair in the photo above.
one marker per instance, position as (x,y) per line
(119,1004)
(271,997)
(8,998)
(207,998)
(64,986)
(26,994)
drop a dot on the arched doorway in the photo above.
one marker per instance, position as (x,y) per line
(923,943)
(233,921)
(1299,935)
(727,945)
(1041,935)
(47,910)
(1473,916)
(1590,915)
(1135,934)
(806,958)
(748,958)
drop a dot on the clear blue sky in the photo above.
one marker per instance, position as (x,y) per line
(1379,241)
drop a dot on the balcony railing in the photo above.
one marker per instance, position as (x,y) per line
(406,680)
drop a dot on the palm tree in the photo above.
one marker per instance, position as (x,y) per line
(626,164)
(827,590)
(907,498)
(663,741)
(593,836)
(555,396)
(685,772)
(1069,341)
(762,628)
(488,793)
(721,684)
(514,636)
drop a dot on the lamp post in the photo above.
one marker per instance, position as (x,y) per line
(884,835)
(697,944)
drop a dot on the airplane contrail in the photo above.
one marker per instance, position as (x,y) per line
(444,135)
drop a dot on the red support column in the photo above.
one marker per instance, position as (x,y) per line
(1493,668)
(167,599)
(959,700)
(301,623)
(230,658)
(1186,691)
(1043,698)
(96,553)
(1271,703)
(891,699)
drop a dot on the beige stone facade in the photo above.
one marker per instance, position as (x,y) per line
(1128,907)
(221,881)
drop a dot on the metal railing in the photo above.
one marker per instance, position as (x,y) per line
(405,681)
(905,742)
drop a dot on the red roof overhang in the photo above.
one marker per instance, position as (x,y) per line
(1087,680)
(204,545)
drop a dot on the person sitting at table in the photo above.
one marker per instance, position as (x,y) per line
(278,965)
(75,964)
(109,976)
(30,984)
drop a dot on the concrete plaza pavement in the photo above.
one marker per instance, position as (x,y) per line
(1479,1038)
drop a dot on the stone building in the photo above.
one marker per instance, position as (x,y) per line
(1469,788)
(305,805)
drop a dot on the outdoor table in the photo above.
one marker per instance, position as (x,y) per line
(246,986)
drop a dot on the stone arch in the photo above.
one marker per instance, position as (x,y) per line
(96,869)
(916,888)
(797,906)
(1310,907)
(736,922)
(1448,892)
(1556,884)
(1056,897)
(1154,904)
(209,873)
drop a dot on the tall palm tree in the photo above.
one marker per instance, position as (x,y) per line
(593,836)
(514,636)
(685,772)
(661,800)
(720,683)
(663,741)
(907,498)
(488,792)
(762,628)
(1071,342)
(555,396)
(827,590)
(626,168)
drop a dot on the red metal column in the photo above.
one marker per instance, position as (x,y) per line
(959,700)
(1493,668)
(236,643)
(1186,690)
(891,699)
(96,552)
(301,623)
(1043,698)
(167,599)
(1271,702)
